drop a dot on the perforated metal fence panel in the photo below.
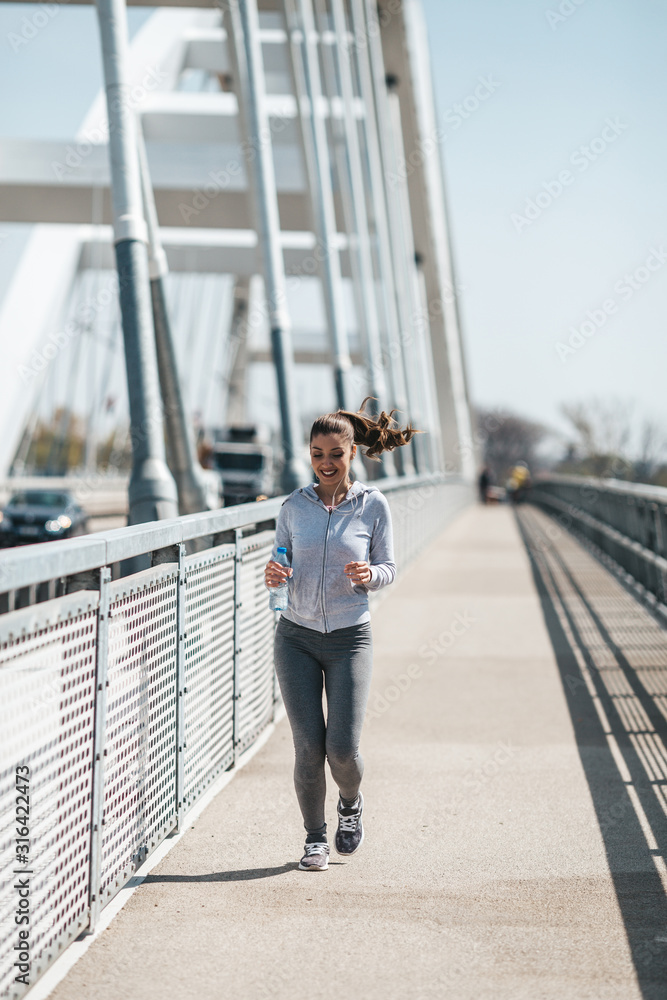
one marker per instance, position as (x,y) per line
(208,673)
(47,695)
(255,641)
(180,655)
(420,512)
(140,736)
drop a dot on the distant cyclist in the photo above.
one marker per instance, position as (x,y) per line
(518,482)
(339,544)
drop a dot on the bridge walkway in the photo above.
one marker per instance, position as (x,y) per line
(515,783)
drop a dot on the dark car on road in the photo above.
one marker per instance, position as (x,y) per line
(41,516)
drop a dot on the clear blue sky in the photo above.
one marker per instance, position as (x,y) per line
(524,290)
(554,88)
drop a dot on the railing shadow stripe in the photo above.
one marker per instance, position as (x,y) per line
(639,889)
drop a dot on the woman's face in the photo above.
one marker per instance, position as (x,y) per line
(331,456)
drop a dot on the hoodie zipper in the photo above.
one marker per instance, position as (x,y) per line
(319,503)
(324,563)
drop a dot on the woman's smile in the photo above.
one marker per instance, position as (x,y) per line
(330,456)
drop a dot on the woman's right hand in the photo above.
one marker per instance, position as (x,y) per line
(275,574)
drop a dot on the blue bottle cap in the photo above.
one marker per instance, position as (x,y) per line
(281,548)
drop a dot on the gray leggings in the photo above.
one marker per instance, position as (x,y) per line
(343,659)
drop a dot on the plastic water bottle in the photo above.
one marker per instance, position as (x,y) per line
(278,597)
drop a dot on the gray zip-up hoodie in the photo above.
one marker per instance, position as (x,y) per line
(320,542)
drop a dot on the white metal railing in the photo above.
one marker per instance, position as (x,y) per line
(627,522)
(125,696)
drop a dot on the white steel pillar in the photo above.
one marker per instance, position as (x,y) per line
(303,56)
(403,246)
(360,234)
(241,22)
(152,490)
(375,185)
(180,446)
(405,46)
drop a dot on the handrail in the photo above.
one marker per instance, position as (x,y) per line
(22,567)
(626,522)
(646,491)
(30,565)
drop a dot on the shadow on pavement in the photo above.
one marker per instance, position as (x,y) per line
(629,843)
(243,875)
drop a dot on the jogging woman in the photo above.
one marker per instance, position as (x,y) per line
(338,538)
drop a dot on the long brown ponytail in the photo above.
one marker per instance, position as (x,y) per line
(375,434)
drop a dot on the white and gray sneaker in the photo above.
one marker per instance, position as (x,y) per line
(350,833)
(315,859)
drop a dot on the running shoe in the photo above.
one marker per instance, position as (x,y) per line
(315,859)
(350,832)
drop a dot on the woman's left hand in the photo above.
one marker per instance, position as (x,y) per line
(358,572)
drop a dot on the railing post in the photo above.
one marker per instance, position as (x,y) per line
(97,796)
(236,688)
(658,548)
(181,689)
(159,557)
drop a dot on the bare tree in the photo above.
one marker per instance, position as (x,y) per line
(603,429)
(652,446)
(607,443)
(508,438)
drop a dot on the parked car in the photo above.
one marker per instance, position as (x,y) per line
(40,516)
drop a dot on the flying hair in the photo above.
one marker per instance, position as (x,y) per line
(374,434)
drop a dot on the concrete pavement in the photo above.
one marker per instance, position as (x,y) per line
(484,874)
